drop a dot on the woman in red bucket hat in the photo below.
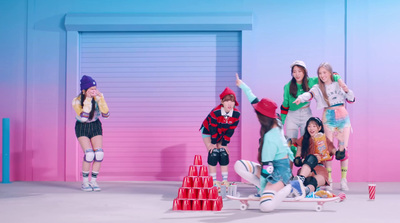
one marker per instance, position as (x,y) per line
(271,175)
(217,130)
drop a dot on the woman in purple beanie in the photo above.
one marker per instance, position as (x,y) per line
(89,105)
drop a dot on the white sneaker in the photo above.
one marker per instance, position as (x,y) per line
(95,186)
(343,185)
(86,187)
(330,186)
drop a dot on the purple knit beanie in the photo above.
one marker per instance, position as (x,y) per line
(87,82)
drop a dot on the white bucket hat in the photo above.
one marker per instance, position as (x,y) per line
(298,63)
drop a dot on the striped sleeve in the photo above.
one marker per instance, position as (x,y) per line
(82,112)
(350,98)
(285,104)
(213,125)
(227,137)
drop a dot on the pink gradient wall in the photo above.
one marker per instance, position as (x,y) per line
(357,37)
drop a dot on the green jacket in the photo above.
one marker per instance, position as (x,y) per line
(288,99)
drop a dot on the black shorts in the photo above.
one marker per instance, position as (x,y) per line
(88,129)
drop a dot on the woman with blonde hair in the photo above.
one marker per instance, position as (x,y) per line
(332,97)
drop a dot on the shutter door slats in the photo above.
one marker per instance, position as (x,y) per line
(159,87)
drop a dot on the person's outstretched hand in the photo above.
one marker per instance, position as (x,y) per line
(238,81)
(297,101)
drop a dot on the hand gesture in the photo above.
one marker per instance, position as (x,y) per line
(98,93)
(210,147)
(238,81)
(223,147)
(318,157)
(297,101)
(88,94)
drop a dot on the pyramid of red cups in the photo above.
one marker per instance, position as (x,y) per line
(197,192)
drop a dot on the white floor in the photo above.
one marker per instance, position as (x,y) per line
(136,202)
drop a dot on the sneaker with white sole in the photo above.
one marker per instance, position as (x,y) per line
(343,185)
(86,187)
(95,186)
(330,186)
(298,190)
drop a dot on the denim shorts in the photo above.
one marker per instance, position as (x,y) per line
(282,172)
(336,118)
(204,133)
(295,120)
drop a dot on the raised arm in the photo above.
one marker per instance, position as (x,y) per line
(249,94)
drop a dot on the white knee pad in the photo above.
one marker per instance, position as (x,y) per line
(99,155)
(89,155)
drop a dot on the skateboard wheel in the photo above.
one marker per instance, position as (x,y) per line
(244,207)
(318,208)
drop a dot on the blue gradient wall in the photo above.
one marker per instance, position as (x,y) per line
(363,49)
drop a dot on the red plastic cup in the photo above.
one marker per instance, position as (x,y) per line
(196,205)
(177,205)
(208,182)
(371,190)
(192,194)
(197,160)
(187,182)
(203,171)
(220,203)
(215,206)
(213,193)
(186,205)
(203,194)
(182,193)
(206,205)
(198,182)
(193,171)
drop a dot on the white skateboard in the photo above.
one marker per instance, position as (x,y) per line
(320,201)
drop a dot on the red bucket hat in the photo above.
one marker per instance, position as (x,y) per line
(226,92)
(266,107)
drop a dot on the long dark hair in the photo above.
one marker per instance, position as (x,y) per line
(305,144)
(91,114)
(266,124)
(304,82)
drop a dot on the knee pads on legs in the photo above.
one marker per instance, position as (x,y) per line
(311,181)
(213,157)
(99,155)
(297,162)
(311,161)
(89,155)
(341,155)
(224,157)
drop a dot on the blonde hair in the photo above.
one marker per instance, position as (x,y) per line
(321,84)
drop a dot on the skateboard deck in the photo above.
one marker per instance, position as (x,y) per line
(320,201)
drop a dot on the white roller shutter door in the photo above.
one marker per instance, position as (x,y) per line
(159,87)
